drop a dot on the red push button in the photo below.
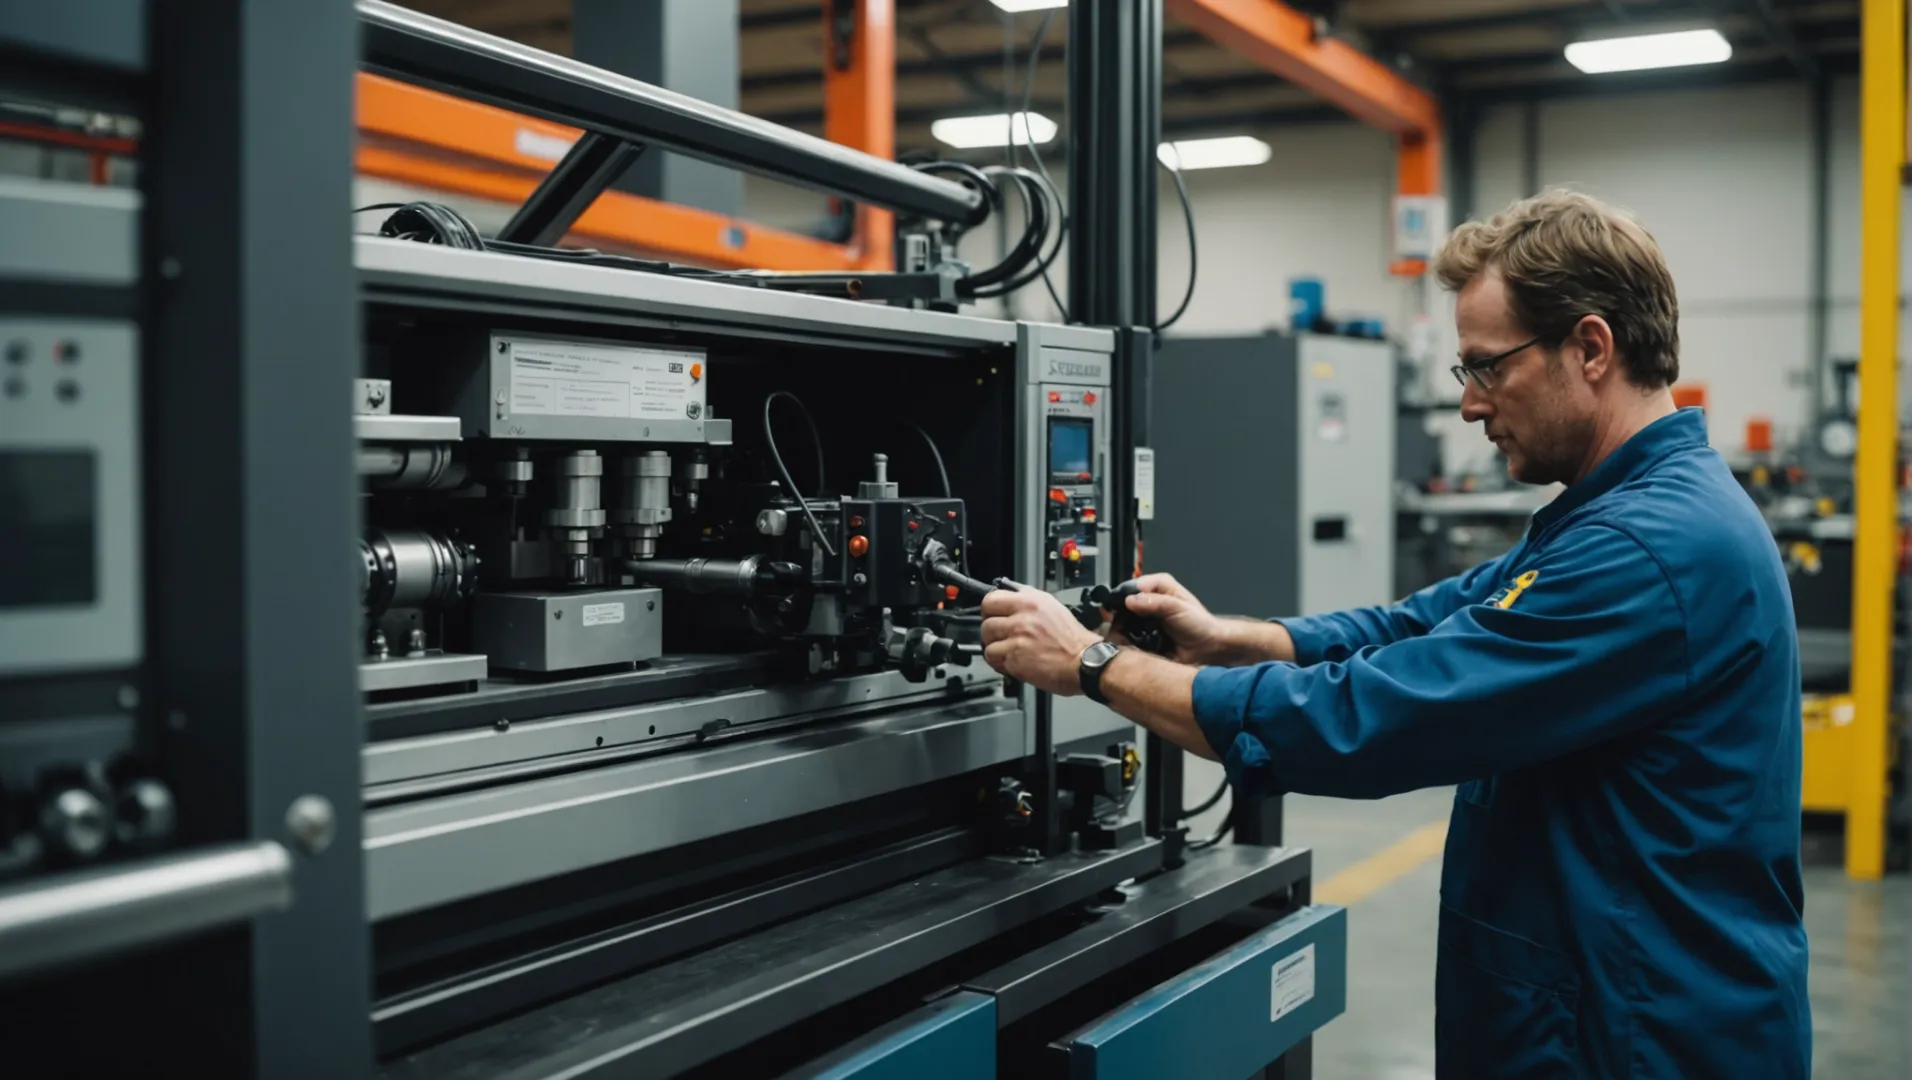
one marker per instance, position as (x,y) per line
(1088,398)
(1071,551)
(859,546)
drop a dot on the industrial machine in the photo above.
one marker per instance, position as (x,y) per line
(1274,475)
(518,664)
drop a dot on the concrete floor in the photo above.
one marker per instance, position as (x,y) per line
(1861,949)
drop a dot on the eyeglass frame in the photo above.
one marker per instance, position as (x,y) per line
(1482,370)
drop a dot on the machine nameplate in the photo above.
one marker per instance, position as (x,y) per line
(603,614)
(1293,978)
(552,378)
(1072,366)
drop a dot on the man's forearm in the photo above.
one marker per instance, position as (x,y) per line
(1157,694)
(1254,641)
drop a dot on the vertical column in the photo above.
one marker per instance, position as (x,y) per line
(1115,124)
(1882,111)
(252,507)
(859,105)
(689,46)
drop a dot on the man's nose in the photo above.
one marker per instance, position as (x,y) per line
(1474,404)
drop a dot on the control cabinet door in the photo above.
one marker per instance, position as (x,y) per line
(1345,495)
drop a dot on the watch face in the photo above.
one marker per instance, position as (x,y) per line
(1098,654)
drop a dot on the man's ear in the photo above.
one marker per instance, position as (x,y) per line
(1594,337)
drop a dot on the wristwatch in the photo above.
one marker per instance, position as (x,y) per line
(1089,669)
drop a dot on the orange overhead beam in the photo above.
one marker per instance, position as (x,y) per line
(1283,40)
(859,107)
(416,136)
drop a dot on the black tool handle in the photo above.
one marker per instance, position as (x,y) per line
(1143,631)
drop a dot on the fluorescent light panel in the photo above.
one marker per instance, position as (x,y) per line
(976,132)
(1643,52)
(1013,6)
(1224,152)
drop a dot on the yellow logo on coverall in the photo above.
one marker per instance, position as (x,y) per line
(1505,598)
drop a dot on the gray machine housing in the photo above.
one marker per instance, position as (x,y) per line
(1274,471)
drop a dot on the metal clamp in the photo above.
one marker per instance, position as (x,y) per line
(93,913)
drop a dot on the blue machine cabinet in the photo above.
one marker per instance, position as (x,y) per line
(1229,1017)
(953,1038)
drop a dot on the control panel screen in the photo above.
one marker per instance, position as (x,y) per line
(1069,445)
(47,499)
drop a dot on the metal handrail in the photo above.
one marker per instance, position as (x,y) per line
(91,913)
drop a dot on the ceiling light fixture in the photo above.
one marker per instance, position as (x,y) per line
(1224,152)
(1014,6)
(1681,48)
(976,132)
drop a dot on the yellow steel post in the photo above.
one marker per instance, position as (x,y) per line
(1882,112)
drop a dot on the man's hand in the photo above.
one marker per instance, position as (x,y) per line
(1200,637)
(1029,636)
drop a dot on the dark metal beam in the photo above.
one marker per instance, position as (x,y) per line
(962,74)
(776,20)
(1718,75)
(949,63)
(1781,34)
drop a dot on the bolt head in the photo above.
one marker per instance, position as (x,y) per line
(311,821)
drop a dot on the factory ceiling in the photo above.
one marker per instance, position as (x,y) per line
(956,57)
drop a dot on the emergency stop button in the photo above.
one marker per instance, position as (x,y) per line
(1071,551)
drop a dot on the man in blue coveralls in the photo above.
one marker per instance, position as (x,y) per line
(1617,697)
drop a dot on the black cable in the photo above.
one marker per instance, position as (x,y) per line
(1028,95)
(937,453)
(1009,274)
(782,470)
(1208,803)
(435,223)
(1035,231)
(1228,826)
(1035,191)
(1188,213)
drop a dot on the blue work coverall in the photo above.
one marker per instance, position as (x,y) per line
(1618,699)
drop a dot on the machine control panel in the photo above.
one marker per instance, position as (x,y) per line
(1076,463)
(72,789)
(70,590)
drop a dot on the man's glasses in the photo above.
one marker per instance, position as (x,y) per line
(1482,370)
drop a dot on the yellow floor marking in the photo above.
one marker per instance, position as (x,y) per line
(1384,867)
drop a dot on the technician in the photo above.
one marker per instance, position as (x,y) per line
(1617,697)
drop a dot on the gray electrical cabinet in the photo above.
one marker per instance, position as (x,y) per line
(1274,472)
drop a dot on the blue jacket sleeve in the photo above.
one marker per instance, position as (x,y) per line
(1340,634)
(1593,646)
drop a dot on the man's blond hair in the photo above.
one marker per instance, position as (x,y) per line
(1565,256)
